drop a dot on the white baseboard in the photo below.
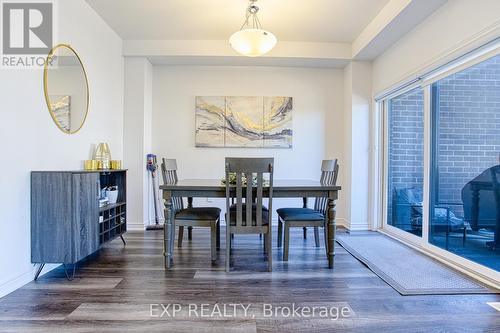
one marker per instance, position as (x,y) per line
(23,279)
(137,226)
(353,226)
(342,222)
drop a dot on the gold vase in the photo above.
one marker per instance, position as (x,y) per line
(116,164)
(90,165)
(103,154)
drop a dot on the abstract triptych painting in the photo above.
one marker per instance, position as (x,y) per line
(244,121)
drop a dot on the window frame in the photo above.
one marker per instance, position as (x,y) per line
(480,272)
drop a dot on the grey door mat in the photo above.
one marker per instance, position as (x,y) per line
(406,270)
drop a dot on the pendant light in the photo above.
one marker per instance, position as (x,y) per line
(251,40)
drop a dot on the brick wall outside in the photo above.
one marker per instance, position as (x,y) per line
(406,142)
(469,126)
(468,131)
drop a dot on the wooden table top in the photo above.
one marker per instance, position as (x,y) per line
(278,184)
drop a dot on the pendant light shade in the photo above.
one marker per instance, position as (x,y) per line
(251,40)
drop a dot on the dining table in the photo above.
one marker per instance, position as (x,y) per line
(215,188)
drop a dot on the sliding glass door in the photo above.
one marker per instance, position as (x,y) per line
(442,162)
(405,158)
(465,173)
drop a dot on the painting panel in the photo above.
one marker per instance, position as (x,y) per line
(244,121)
(278,122)
(210,121)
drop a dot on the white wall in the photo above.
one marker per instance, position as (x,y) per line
(31,141)
(137,126)
(357,104)
(317,118)
(458,24)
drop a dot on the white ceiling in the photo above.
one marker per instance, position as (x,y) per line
(289,20)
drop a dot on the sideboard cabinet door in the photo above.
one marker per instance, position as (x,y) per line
(64,216)
(85,214)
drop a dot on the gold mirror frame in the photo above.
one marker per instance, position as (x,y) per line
(46,88)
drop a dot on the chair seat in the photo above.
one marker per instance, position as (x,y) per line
(265,214)
(300,214)
(198,213)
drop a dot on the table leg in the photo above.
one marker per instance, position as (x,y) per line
(190,229)
(331,229)
(167,230)
(304,205)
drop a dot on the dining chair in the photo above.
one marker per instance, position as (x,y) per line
(208,217)
(249,216)
(307,217)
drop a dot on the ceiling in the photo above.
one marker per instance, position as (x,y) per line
(289,20)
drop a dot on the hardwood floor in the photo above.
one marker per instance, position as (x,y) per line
(122,288)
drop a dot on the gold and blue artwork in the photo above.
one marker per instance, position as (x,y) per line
(244,121)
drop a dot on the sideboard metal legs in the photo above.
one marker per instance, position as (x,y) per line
(70,278)
(39,270)
(41,265)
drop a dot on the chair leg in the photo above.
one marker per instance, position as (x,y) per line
(286,243)
(181,235)
(265,243)
(280,232)
(326,239)
(190,233)
(269,251)
(316,236)
(228,248)
(213,240)
(305,232)
(218,234)
(464,236)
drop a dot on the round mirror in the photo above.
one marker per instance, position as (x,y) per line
(66,88)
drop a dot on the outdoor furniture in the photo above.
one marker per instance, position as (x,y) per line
(249,216)
(208,217)
(481,202)
(306,217)
(407,213)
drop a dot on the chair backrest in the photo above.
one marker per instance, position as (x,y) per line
(169,173)
(329,174)
(247,167)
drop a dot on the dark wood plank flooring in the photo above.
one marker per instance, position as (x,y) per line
(114,290)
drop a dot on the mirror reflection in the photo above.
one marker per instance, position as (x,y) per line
(66,88)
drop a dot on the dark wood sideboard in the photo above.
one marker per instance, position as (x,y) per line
(67,223)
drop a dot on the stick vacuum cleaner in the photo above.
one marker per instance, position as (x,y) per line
(152,167)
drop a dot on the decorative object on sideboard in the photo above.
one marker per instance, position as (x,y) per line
(112,194)
(116,164)
(251,40)
(90,165)
(103,154)
(244,121)
(66,88)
